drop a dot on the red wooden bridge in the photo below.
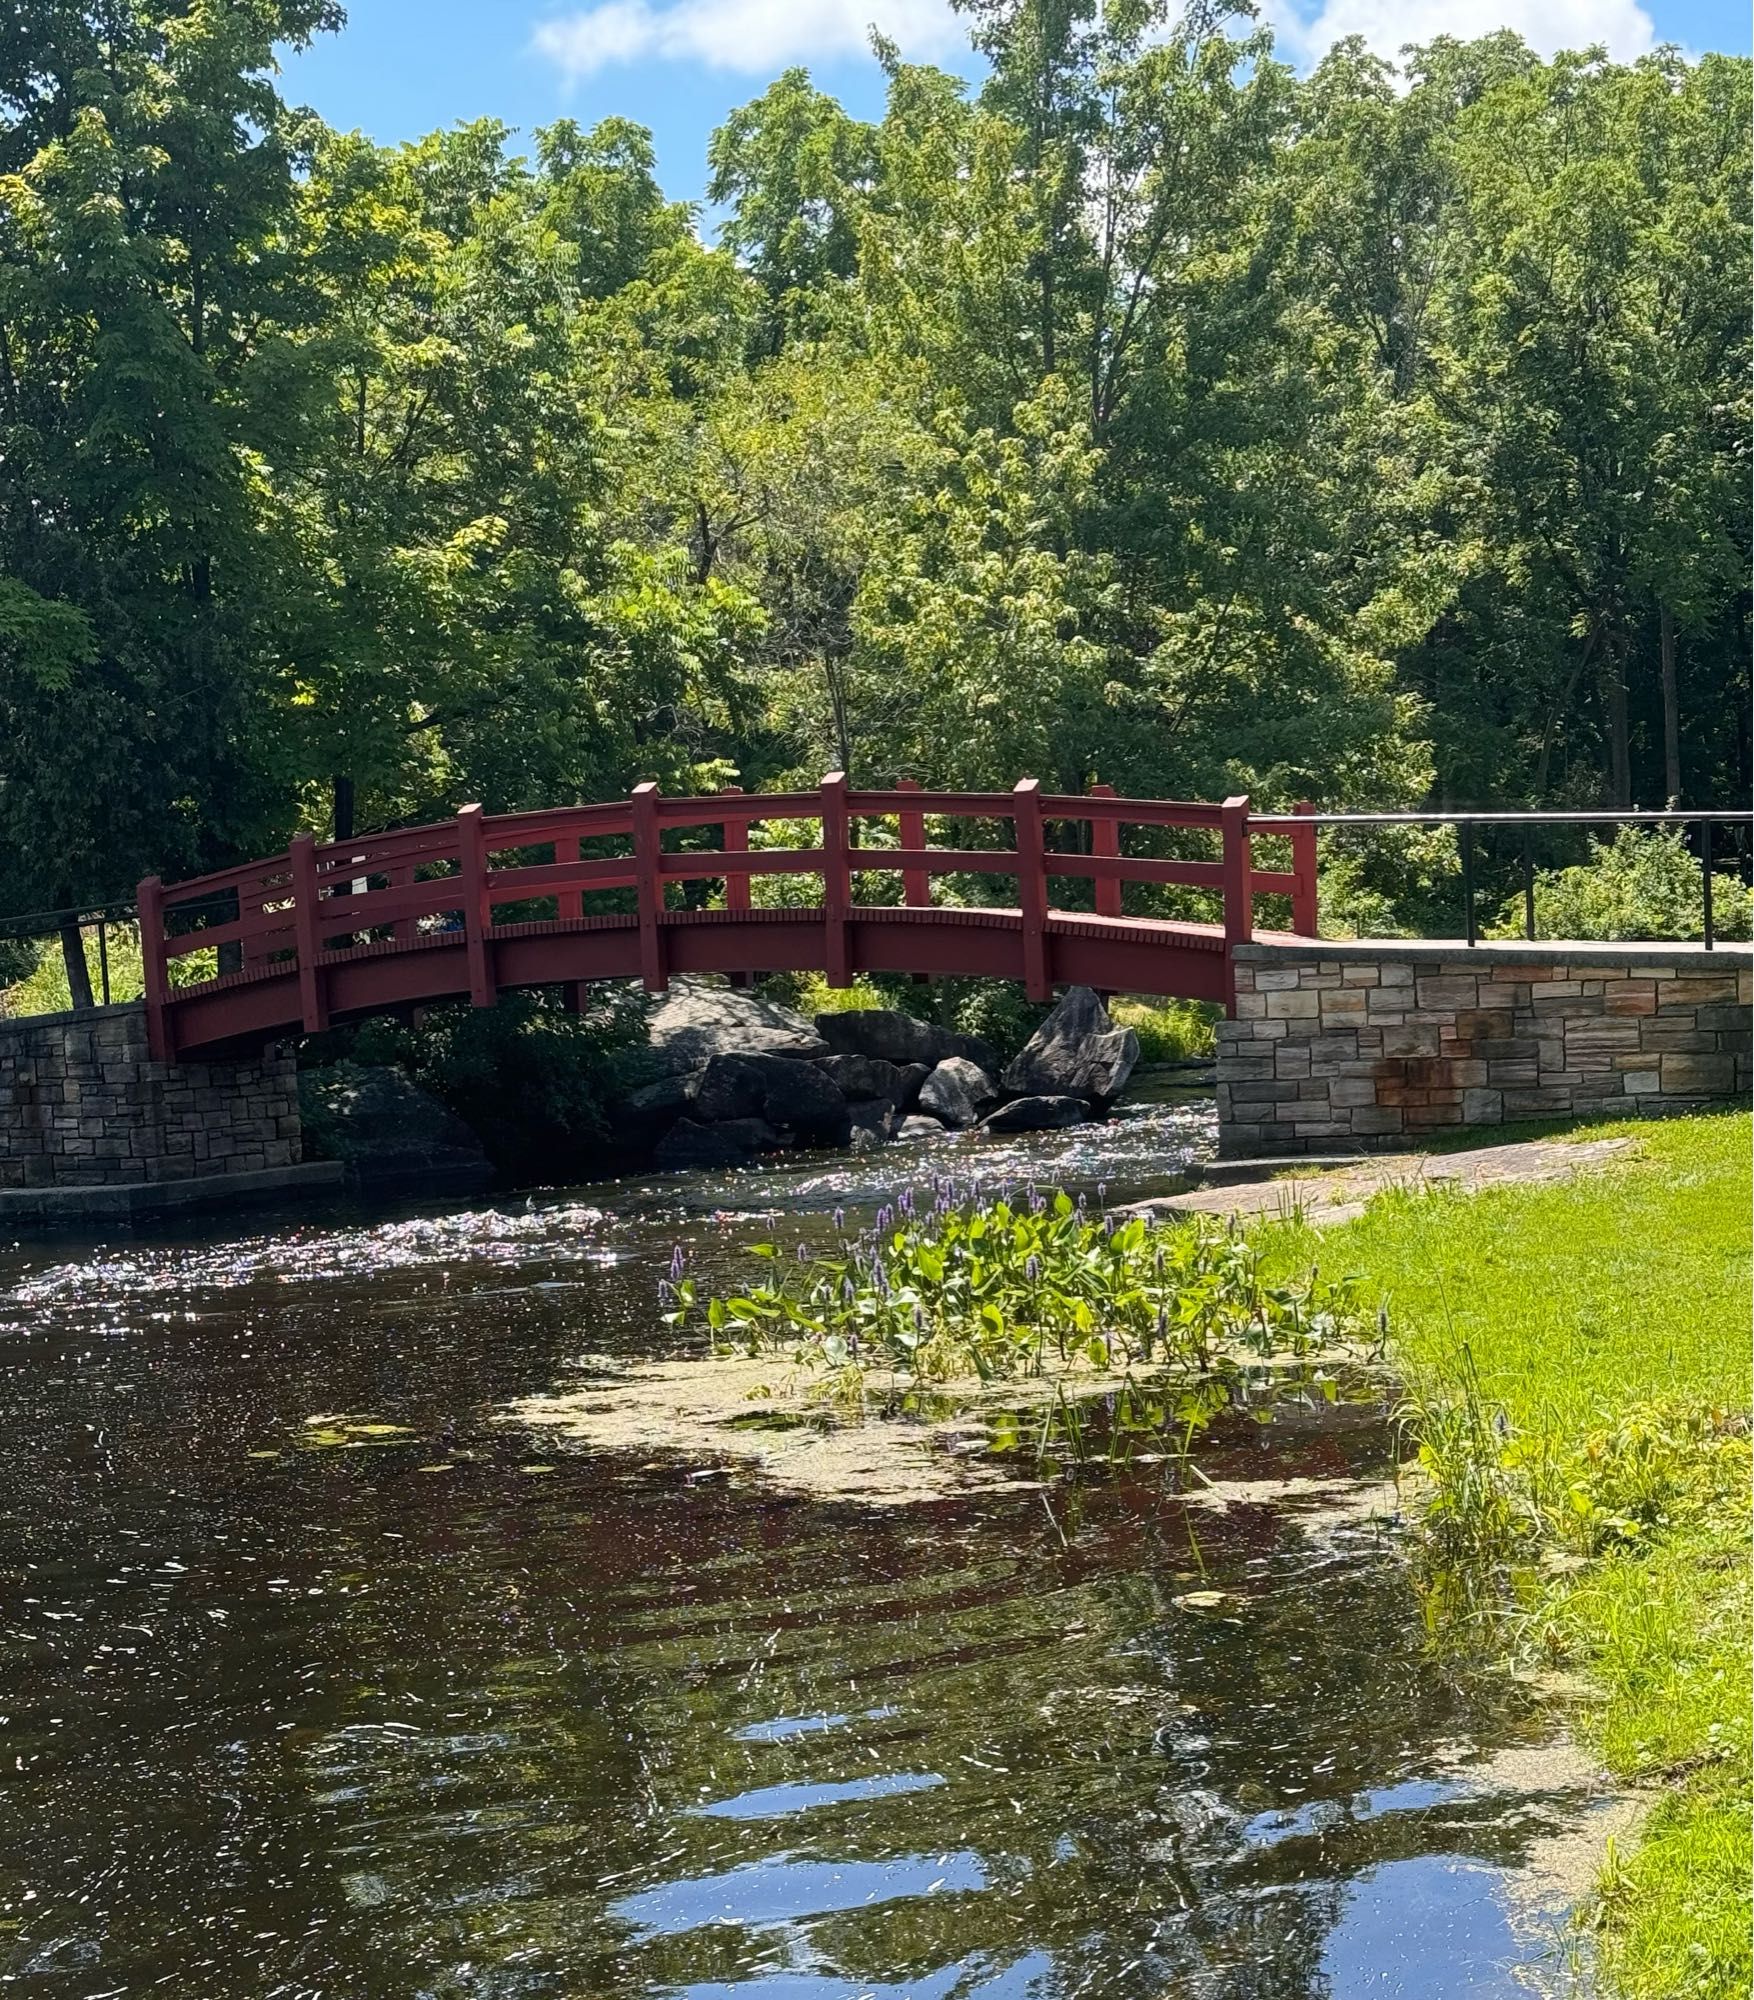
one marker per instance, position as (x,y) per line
(468,906)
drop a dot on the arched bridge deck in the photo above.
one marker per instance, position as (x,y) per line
(467,907)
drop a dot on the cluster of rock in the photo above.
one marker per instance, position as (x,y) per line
(737,1076)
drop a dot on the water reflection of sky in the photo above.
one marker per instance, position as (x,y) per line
(406,1719)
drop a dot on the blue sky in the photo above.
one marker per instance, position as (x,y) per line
(402,67)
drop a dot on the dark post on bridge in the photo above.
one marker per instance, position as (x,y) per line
(466,907)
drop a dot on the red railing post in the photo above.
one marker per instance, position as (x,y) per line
(1303,866)
(648,863)
(916,883)
(150,904)
(404,930)
(1105,843)
(735,836)
(837,879)
(477,909)
(1032,886)
(569,905)
(312,1008)
(1239,899)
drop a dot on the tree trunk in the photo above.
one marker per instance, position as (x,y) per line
(1619,732)
(78,972)
(1671,712)
(343,808)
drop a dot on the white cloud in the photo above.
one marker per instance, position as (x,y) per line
(1388,25)
(753,36)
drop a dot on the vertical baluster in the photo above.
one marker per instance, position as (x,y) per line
(477,906)
(648,874)
(404,929)
(916,883)
(837,880)
(1239,900)
(1032,886)
(569,904)
(312,1006)
(1528,885)
(1469,917)
(1105,844)
(736,841)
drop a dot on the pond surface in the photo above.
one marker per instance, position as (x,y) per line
(451,1710)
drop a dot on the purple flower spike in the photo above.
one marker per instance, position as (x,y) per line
(1032,1269)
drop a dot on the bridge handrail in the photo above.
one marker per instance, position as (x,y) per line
(292,911)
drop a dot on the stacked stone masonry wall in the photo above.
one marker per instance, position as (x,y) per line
(82,1104)
(1348,1047)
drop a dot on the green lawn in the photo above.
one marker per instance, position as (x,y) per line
(1606,1320)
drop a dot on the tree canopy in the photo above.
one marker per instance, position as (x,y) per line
(1145,414)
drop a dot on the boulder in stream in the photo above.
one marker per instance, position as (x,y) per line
(956,1092)
(696,1021)
(388,1131)
(859,1078)
(727,1144)
(1037,1114)
(1076,1052)
(899,1038)
(788,1095)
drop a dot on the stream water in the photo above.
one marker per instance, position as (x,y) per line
(453,1710)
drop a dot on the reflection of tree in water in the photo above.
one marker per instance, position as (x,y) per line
(476,1759)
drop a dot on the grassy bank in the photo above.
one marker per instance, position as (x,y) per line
(1581,1356)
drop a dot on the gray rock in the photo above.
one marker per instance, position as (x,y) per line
(696,1021)
(899,1038)
(918,1127)
(643,1116)
(386,1129)
(1076,1052)
(864,1077)
(956,1091)
(1037,1114)
(873,1125)
(790,1096)
(689,1144)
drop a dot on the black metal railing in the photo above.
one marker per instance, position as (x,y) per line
(54,924)
(1466,824)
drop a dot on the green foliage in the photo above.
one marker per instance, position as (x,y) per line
(1169,1031)
(1579,1363)
(998,1290)
(1639,885)
(1143,414)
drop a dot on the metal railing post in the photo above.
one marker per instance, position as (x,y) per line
(1529,886)
(1705,879)
(1468,919)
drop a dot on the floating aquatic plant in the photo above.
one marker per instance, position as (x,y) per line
(998,1289)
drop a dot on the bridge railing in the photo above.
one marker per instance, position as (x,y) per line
(394,890)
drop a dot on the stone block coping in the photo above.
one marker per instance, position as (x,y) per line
(1495,951)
